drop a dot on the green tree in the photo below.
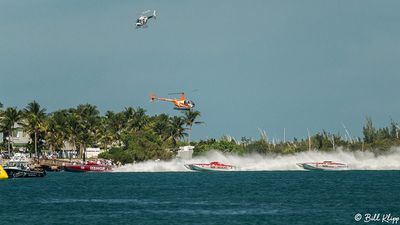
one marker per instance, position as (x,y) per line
(177,130)
(146,145)
(105,134)
(88,119)
(73,128)
(10,117)
(129,113)
(190,119)
(138,119)
(33,121)
(394,130)
(369,131)
(114,126)
(56,130)
(161,126)
(117,155)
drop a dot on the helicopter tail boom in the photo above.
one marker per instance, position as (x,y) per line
(153,15)
(153,98)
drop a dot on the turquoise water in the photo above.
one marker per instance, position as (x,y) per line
(200,198)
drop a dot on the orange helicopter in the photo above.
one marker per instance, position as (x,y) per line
(180,104)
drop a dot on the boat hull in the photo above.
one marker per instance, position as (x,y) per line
(87,168)
(210,169)
(318,167)
(20,173)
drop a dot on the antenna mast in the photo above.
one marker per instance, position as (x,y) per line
(348,133)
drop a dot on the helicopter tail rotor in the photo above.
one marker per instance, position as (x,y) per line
(152,97)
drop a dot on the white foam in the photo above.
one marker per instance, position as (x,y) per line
(356,160)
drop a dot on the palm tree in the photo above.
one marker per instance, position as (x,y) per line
(136,118)
(114,124)
(128,112)
(190,119)
(177,130)
(140,118)
(105,133)
(33,121)
(56,132)
(161,126)
(72,128)
(10,117)
(88,120)
(1,111)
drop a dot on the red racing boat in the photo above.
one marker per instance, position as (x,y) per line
(88,167)
(213,166)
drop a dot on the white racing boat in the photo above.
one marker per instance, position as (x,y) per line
(325,165)
(213,166)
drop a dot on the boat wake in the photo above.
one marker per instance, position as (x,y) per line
(356,160)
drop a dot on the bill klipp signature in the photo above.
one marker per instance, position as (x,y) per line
(377,217)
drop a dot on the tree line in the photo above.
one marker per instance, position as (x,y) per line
(129,131)
(377,140)
(132,135)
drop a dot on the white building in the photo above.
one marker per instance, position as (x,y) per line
(185,152)
(18,136)
(93,152)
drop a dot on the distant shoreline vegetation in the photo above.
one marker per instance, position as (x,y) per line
(132,135)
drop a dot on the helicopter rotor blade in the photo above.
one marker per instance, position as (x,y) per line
(177,93)
(147,11)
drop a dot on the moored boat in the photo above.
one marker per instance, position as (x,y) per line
(18,167)
(325,165)
(17,172)
(213,166)
(88,167)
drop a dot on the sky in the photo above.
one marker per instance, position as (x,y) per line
(248,65)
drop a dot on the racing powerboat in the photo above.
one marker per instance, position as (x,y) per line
(90,166)
(213,166)
(325,165)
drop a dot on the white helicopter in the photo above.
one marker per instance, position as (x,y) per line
(141,22)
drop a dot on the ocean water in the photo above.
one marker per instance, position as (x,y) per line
(258,197)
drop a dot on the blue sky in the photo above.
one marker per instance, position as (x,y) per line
(256,64)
